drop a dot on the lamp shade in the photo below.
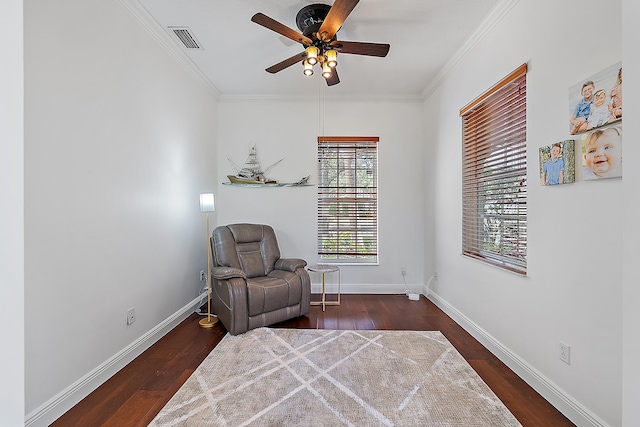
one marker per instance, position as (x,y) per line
(207,202)
(332,58)
(308,68)
(312,55)
(326,70)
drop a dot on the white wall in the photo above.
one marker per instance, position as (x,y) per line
(11,214)
(630,185)
(119,141)
(110,118)
(573,288)
(289,128)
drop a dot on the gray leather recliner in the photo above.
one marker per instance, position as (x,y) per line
(251,285)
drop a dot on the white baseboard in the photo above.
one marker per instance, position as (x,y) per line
(571,409)
(393,289)
(55,407)
(66,399)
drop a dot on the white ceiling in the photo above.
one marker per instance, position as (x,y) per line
(424,35)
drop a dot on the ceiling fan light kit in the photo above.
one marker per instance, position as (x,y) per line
(319,24)
(328,60)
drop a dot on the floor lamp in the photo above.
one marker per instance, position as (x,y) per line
(207,204)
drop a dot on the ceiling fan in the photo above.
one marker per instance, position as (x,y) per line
(319,24)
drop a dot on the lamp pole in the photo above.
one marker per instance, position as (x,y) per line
(207,205)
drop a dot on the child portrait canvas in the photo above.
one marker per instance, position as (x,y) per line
(596,101)
(558,163)
(602,153)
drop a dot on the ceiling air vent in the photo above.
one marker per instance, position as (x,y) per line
(185,36)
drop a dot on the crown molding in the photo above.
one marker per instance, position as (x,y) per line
(499,12)
(144,18)
(314,97)
(149,24)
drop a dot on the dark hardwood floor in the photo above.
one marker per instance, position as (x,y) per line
(136,394)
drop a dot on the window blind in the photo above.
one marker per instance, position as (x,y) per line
(348,199)
(494,169)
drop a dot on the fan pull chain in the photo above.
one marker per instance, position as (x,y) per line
(320,107)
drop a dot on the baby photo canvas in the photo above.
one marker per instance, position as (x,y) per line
(602,153)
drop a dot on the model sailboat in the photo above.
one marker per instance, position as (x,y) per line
(251,172)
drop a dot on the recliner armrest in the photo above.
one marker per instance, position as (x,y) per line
(290,264)
(224,273)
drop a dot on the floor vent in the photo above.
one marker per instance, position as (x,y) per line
(185,36)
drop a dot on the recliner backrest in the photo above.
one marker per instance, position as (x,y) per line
(252,248)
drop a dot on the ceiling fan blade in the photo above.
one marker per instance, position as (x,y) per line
(362,48)
(273,25)
(333,78)
(286,63)
(336,16)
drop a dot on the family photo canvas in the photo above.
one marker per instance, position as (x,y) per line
(596,101)
(557,163)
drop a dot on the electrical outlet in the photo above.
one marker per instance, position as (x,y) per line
(403,271)
(565,353)
(202,276)
(131,316)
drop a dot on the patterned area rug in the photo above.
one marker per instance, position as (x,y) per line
(310,377)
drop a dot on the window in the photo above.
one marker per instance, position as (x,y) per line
(348,200)
(494,174)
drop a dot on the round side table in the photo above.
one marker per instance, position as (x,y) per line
(322,269)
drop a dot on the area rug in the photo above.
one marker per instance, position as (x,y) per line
(310,377)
